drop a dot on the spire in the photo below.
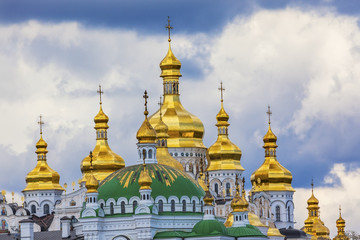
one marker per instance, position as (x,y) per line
(105,161)
(208,198)
(223,154)
(42,177)
(146,133)
(144,179)
(201,180)
(91,184)
(340,224)
(270,139)
(237,202)
(243,196)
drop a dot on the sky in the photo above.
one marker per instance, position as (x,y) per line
(300,57)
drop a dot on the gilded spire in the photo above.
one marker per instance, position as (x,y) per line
(162,153)
(144,179)
(237,202)
(146,133)
(208,198)
(201,180)
(42,177)
(91,184)
(340,225)
(223,154)
(271,175)
(105,161)
(243,196)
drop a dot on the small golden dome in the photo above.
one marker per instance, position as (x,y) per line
(274,232)
(144,179)
(91,184)
(101,120)
(255,220)
(42,177)
(312,200)
(208,198)
(146,133)
(170,65)
(223,154)
(237,203)
(161,130)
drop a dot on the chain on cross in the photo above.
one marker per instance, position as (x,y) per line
(221,89)
(41,123)
(100,92)
(169,27)
(269,113)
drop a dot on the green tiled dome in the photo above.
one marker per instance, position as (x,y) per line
(166,181)
(209,227)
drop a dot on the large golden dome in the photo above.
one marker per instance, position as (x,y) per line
(271,175)
(105,161)
(184,128)
(223,154)
(42,177)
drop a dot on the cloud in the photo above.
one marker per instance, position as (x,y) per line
(344,180)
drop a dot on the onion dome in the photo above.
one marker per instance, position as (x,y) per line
(208,198)
(42,177)
(162,153)
(320,230)
(166,181)
(105,161)
(201,179)
(184,128)
(92,183)
(223,154)
(209,228)
(340,225)
(237,203)
(274,232)
(253,220)
(144,179)
(146,133)
(245,202)
(271,175)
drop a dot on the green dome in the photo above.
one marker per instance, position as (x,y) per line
(247,231)
(209,227)
(166,181)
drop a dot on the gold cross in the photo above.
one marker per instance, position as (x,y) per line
(145,97)
(91,159)
(340,210)
(40,122)
(100,92)
(312,185)
(169,27)
(221,89)
(269,113)
(160,104)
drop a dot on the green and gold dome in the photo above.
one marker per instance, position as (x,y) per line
(166,181)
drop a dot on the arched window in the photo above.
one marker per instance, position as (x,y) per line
(134,205)
(288,210)
(46,209)
(102,206)
(150,153)
(216,187)
(33,209)
(277,213)
(122,205)
(228,189)
(173,205)
(161,206)
(102,133)
(202,206)
(194,206)
(72,203)
(184,205)
(111,208)
(144,153)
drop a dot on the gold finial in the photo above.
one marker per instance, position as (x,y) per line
(312,185)
(12,194)
(65,186)
(73,185)
(100,92)
(41,123)
(237,184)
(269,113)
(340,210)
(146,97)
(169,27)
(221,89)
(91,160)
(207,179)
(22,201)
(160,104)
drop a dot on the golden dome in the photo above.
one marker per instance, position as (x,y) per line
(274,232)
(208,198)
(271,175)
(255,220)
(144,179)
(92,184)
(237,203)
(312,200)
(223,154)
(320,229)
(162,153)
(105,161)
(340,225)
(146,133)
(184,128)
(42,177)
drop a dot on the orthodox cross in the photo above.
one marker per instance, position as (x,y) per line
(243,183)
(100,92)
(145,97)
(340,210)
(91,160)
(160,104)
(312,185)
(221,89)
(169,27)
(269,113)
(41,122)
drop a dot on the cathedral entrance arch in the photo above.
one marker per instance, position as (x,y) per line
(121,237)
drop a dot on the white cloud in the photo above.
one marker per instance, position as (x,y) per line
(343,191)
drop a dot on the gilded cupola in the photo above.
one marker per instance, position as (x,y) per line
(145,180)
(105,161)
(237,202)
(42,177)
(146,133)
(162,153)
(340,225)
(92,183)
(223,154)
(184,128)
(208,198)
(271,175)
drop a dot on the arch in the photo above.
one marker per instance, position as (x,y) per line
(122,207)
(216,188)
(228,189)
(289,213)
(184,205)
(133,198)
(196,199)
(109,201)
(134,203)
(150,153)
(111,208)
(193,206)
(46,209)
(162,198)
(172,202)
(176,199)
(161,206)
(33,209)
(277,214)
(202,206)
(122,199)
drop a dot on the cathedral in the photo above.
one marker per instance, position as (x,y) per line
(179,188)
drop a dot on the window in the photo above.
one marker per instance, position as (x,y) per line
(216,187)
(161,206)
(194,206)
(33,209)
(277,212)
(72,203)
(122,205)
(102,206)
(288,210)
(202,206)
(183,205)
(46,209)
(228,189)
(111,208)
(150,153)
(172,205)
(134,205)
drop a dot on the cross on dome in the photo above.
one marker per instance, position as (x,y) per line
(100,92)
(169,27)
(160,104)
(269,113)
(145,96)
(41,123)
(221,89)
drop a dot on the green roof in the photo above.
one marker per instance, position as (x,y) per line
(166,181)
(209,227)
(247,231)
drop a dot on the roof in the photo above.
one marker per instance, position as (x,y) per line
(44,222)
(292,233)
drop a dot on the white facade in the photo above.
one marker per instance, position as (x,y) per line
(42,202)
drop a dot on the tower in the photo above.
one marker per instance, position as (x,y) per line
(275,180)
(42,189)
(105,161)
(340,225)
(224,162)
(185,130)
